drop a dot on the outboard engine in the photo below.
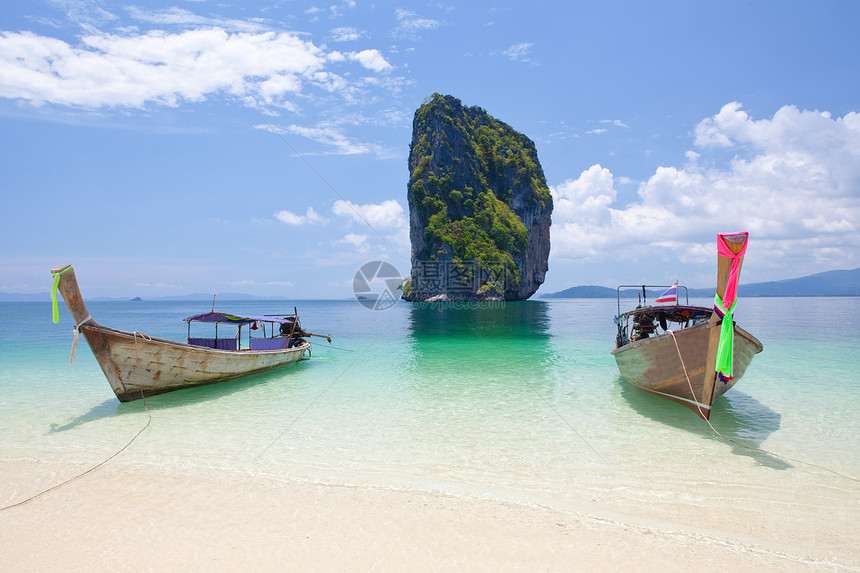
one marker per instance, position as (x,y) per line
(288,327)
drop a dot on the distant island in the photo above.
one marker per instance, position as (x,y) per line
(830,283)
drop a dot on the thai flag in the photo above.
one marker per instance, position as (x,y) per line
(671,294)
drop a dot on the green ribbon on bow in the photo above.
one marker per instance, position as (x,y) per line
(56,310)
(725,351)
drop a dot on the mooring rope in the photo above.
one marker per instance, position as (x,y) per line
(143,336)
(77,331)
(752,448)
(329,346)
(92,469)
(320,395)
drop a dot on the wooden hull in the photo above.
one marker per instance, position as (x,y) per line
(137,366)
(653,364)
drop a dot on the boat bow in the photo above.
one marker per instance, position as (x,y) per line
(701,359)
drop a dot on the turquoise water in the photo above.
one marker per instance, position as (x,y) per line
(520,402)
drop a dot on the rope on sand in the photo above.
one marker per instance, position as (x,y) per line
(92,469)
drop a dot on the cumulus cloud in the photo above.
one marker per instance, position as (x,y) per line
(190,58)
(385,216)
(793,181)
(370,59)
(168,68)
(358,241)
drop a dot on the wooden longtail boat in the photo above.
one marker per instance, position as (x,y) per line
(137,365)
(671,350)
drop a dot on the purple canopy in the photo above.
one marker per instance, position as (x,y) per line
(237,318)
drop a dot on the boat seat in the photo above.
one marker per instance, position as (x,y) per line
(217,343)
(269,343)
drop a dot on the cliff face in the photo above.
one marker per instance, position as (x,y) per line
(479,207)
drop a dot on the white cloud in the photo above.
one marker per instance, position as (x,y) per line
(345,34)
(615,122)
(181,17)
(291,218)
(587,198)
(331,135)
(385,216)
(88,14)
(314,217)
(794,184)
(357,241)
(370,59)
(167,68)
(520,52)
(387,220)
(409,25)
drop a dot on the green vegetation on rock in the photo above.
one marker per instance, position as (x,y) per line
(464,166)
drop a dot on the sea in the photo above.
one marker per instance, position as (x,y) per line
(520,402)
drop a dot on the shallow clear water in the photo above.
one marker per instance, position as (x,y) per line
(519,402)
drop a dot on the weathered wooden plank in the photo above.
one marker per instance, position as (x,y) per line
(136,365)
(653,364)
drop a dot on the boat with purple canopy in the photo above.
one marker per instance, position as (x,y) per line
(137,365)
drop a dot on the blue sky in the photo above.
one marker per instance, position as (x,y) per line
(192,146)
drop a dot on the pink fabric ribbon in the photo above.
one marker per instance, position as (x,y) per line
(732,286)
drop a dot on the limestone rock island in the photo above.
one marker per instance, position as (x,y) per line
(479,207)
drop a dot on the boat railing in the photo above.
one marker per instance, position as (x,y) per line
(643,294)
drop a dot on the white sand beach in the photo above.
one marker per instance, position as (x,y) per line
(124,518)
